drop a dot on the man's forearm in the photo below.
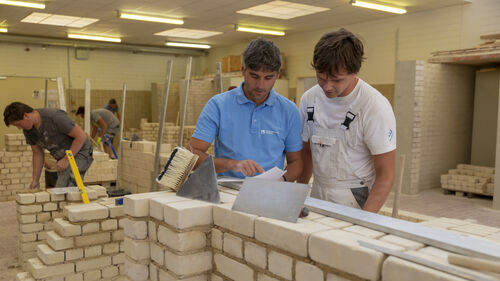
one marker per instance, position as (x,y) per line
(293,170)
(378,194)
(77,144)
(38,161)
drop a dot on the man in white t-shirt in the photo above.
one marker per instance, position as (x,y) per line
(349,129)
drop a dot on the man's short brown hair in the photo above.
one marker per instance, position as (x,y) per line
(15,112)
(338,50)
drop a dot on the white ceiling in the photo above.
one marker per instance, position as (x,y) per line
(213,15)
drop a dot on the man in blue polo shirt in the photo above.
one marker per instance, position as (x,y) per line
(254,127)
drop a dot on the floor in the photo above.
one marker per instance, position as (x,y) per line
(429,202)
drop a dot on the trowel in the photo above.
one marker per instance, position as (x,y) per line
(202,183)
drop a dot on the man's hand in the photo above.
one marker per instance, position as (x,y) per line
(62,164)
(247,167)
(34,185)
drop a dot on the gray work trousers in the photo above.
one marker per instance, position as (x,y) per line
(83,160)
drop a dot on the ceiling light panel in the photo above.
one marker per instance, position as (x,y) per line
(59,20)
(188,33)
(95,38)
(23,4)
(188,45)
(3,29)
(380,7)
(150,18)
(282,10)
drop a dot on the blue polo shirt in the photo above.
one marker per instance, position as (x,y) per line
(244,131)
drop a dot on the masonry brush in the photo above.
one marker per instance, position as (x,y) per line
(177,168)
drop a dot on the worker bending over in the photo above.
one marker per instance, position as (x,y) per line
(105,121)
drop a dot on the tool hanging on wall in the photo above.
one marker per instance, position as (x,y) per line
(163,112)
(77,176)
(184,108)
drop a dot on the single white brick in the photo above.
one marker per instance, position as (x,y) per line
(73,254)
(50,206)
(93,251)
(186,214)
(41,197)
(110,248)
(156,204)
(109,272)
(111,224)
(118,235)
(341,250)
(136,249)
(57,242)
(92,239)
(233,269)
(49,256)
(167,276)
(394,268)
(405,243)
(137,205)
(135,229)
(85,212)
(214,277)
(255,254)
(233,245)
(153,272)
(31,227)
(364,231)
(280,265)
(25,198)
(90,227)
(307,272)
(152,231)
(92,275)
(24,276)
(136,271)
(238,222)
(291,237)
(40,270)
(65,228)
(157,253)
(263,277)
(119,258)
(95,263)
(217,238)
(43,217)
(333,223)
(29,218)
(334,277)
(27,237)
(181,241)
(190,264)
(29,209)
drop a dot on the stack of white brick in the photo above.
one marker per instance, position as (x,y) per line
(86,244)
(103,169)
(467,228)
(15,168)
(247,247)
(137,164)
(200,91)
(470,178)
(36,211)
(149,131)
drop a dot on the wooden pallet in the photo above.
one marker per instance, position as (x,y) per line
(102,183)
(469,194)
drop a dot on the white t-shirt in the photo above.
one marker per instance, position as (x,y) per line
(378,124)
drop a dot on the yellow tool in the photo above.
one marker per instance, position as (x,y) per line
(78,178)
(98,141)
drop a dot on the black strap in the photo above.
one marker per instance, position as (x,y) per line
(310,113)
(349,117)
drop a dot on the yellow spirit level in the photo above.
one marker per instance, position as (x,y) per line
(78,178)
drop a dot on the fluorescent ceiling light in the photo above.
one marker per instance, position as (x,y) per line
(23,4)
(188,33)
(148,18)
(282,10)
(380,7)
(261,31)
(96,38)
(188,45)
(60,20)
(3,29)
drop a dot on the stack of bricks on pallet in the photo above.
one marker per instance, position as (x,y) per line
(175,238)
(200,91)
(149,131)
(15,168)
(137,164)
(85,244)
(470,178)
(37,211)
(102,169)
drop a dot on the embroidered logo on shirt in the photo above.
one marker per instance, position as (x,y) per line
(390,134)
(269,132)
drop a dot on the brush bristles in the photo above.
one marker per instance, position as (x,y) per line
(177,169)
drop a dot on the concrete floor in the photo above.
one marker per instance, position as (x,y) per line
(429,202)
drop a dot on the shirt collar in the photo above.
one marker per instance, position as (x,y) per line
(242,99)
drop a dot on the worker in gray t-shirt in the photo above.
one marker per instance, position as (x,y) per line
(51,129)
(106,121)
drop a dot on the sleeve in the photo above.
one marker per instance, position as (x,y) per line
(63,122)
(303,117)
(95,116)
(293,141)
(379,127)
(208,124)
